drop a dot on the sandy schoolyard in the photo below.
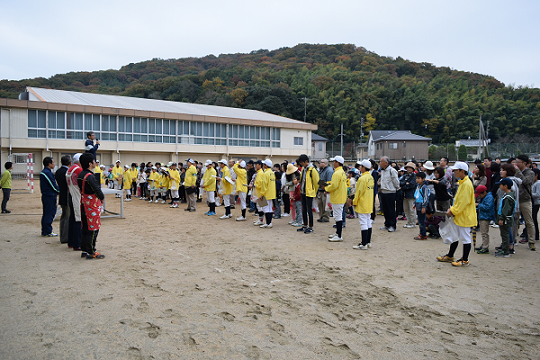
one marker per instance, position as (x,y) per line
(179,285)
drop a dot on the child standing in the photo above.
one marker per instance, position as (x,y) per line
(5,183)
(421,203)
(296,198)
(505,216)
(154,184)
(127,183)
(486,214)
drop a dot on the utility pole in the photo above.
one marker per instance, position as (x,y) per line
(305,106)
(341,135)
(361,136)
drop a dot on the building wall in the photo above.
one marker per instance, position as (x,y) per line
(317,154)
(416,149)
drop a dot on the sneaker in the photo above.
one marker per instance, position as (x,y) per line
(224,217)
(258,222)
(445,258)
(303,228)
(332,235)
(420,237)
(292,222)
(95,255)
(206,213)
(409,226)
(241,218)
(50,235)
(383,228)
(523,241)
(390,229)
(531,246)
(172,206)
(308,231)
(335,239)
(511,251)
(266,226)
(298,225)
(276,217)
(478,248)
(402,218)
(360,247)
(460,262)
(285,215)
(483,251)
(163,202)
(150,201)
(380,213)
(494,226)
(369,245)
(502,254)
(212,214)
(322,220)
(6,212)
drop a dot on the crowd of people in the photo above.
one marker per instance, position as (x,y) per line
(493,194)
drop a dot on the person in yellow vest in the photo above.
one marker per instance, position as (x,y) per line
(309,185)
(258,189)
(163,183)
(153,182)
(268,192)
(464,212)
(226,185)
(126,179)
(118,173)
(173,185)
(134,174)
(190,184)
(363,202)
(209,185)
(241,186)
(338,196)
(99,170)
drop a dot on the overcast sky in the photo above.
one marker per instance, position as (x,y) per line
(44,38)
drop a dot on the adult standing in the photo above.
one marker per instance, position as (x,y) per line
(325,175)
(233,194)
(487,164)
(89,146)
(118,175)
(74,202)
(309,185)
(190,182)
(408,187)
(49,193)
(61,180)
(389,187)
(209,185)
(241,186)
(448,174)
(250,167)
(91,197)
(338,196)
(524,173)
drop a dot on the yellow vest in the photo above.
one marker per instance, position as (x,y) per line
(241,178)
(133,172)
(117,172)
(338,187)
(464,208)
(269,187)
(312,181)
(259,182)
(209,180)
(174,178)
(163,181)
(227,186)
(363,197)
(127,180)
(154,180)
(191,176)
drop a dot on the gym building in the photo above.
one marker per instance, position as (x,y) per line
(46,122)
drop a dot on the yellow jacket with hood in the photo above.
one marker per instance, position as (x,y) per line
(209,180)
(338,187)
(363,197)
(241,178)
(227,186)
(464,208)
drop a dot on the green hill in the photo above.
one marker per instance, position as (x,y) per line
(343,82)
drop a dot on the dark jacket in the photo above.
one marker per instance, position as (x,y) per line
(441,189)
(60,176)
(525,188)
(506,209)
(91,185)
(250,174)
(408,185)
(89,147)
(47,183)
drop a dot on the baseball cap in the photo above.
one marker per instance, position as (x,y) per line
(190,160)
(339,159)
(77,156)
(366,164)
(208,162)
(223,161)
(268,162)
(242,164)
(505,181)
(118,161)
(480,189)
(460,165)
(97,161)
(259,162)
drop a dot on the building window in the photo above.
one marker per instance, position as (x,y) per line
(404,144)
(392,145)
(37,124)
(320,146)
(299,141)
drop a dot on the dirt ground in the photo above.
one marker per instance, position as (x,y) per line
(180,285)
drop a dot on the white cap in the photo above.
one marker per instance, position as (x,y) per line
(208,162)
(76,157)
(153,168)
(223,161)
(268,162)
(460,165)
(97,161)
(102,166)
(339,159)
(429,165)
(170,163)
(242,164)
(190,160)
(366,164)
(359,162)
(118,161)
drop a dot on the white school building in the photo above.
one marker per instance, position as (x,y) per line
(46,122)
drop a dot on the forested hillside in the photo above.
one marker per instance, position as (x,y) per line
(343,82)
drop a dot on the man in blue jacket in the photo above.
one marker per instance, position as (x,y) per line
(89,146)
(486,213)
(49,193)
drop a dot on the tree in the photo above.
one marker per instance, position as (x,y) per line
(432,152)
(451,152)
(462,153)
(239,96)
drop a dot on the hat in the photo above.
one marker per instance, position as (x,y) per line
(154,168)
(258,162)
(125,166)
(366,164)
(480,189)
(402,169)
(170,163)
(291,169)
(429,165)
(190,160)
(76,157)
(97,161)
(118,161)
(208,162)
(411,165)
(242,164)
(102,166)
(268,162)
(339,159)
(223,161)
(505,181)
(460,165)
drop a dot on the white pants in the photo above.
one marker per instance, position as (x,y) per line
(226,200)
(337,210)
(365,221)
(116,185)
(463,234)
(210,196)
(128,191)
(242,196)
(174,194)
(269,207)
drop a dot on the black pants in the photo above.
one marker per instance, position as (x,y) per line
(388,205)
(74,238)
(88,238)
(7,193)
(307,210)
(286,204)
(49,211)
(535,219)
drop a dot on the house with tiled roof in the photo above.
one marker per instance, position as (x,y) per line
(397,145)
